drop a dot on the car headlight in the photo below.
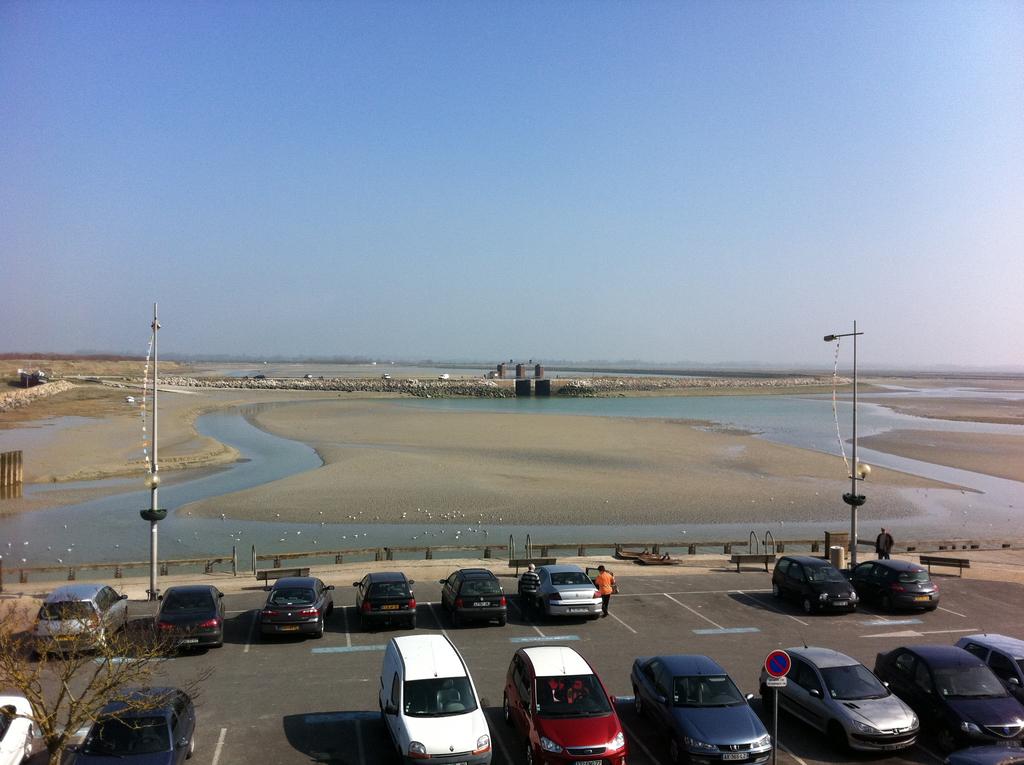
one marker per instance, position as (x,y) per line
(417,749)
(969,727)
(823,596)
(914,722)
(549,746)
(765,740)
(852,596)
(482,744)
(864,727)
(699,746)
(618,742)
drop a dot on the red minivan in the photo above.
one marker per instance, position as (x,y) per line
(554,698)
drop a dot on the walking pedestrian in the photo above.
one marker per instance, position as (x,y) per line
(605,583)
(529,583)
(883,544)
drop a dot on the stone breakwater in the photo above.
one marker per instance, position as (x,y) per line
(480,388)
(24,396)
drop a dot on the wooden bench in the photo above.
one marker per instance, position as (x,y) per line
(934,560)
(516,563)
(267,574)
(742,558)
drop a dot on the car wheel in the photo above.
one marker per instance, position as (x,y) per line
(191,748)
(320,630)
(412,624)
(502,621)
(456,620)
(776,592)
(886,603)
(808,606)
(638,703)
(675,754)
(837,736)
(506,711)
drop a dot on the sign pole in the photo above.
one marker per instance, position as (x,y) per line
(776,665)
(775,726)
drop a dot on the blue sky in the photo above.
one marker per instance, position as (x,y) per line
(684,181)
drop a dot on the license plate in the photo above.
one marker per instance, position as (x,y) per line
(289,628)
(188,641)
(835,603)
(923,597)
(390,607)
(590,762)
(579,611)
(734,755)
(482,603)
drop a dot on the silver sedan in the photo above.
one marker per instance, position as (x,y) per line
(842,698)
(566,590)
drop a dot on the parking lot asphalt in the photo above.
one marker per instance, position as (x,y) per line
(295,700)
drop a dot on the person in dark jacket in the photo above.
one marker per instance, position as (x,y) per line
(529,583)
(883,544)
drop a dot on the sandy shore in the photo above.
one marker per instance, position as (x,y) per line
(383,459)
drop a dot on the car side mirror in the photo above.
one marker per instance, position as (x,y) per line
(412,582)
(158,597)
(749,697)
(441,581)
(390,709)
(329,587)
(815,693)
(885,683)
(1014,681)
(220,594)
(181,743)
(125,597)
(355,584)
(661,699)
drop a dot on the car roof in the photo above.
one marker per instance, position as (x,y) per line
(561,568)
(1004,643)
(429,656)
(898,565)
(823,658)
(295,581)
(161,697)
(556,660)
(809,560)
(475,573)
(387,576)
(691,664)
(190,588)
(74,592)
(944,655)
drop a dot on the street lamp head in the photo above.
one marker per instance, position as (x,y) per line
(829,338)
(863,471)
(152,480)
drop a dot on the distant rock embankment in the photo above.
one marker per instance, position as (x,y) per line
(480,388)
(19,397)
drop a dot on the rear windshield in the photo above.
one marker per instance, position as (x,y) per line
(571,696)
(134,736)
(188,601)
(852,682)
(909,577)
(824,574)
(480,587)
(389,590)
(7,715)
(292,596)
(570,577)
(438,697)
(67,609)
(960,682)
(705,691)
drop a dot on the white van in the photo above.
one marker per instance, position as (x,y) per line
(429,703)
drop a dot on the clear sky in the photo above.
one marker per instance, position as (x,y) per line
(677,181)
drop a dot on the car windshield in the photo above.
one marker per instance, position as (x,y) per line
(389,590)
(959,682)
(571,696)
(570,577)
(292,596)
(705,691)
(1020,663)
(188,601)
(7,715)
(66,609)
(824,574)
(438,696)
(910,577)
(480,587)
(134,736)
(852,682)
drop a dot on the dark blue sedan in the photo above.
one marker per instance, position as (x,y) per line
(145,726)
(698,706)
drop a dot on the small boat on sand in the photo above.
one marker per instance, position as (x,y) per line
(623,554)
(650,559)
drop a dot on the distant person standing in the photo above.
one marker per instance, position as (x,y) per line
(529,583)
(883,544)
(605,583)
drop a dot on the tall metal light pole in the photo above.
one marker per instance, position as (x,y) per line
(858,472)
(154,513)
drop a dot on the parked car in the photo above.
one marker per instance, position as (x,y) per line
(385,597)
(994,754)
(895,584)
(474,594)
(695,702)
(79,617)
(557,702)
(297,604)
(955,692)
(1004,656)
(148,726)
(814,583)
(842,698)
(566,590)
(17,730)
(191,616)
(429,703)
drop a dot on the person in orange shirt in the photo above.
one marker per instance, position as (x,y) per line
(605,583)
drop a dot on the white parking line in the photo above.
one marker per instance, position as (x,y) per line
(769,607)
(524,617)
(344,624)
(252,630)
(683,592)
(789,751)
(622,622)
(437,619)
(220,745)
(635,739)
(951,611)
(695,613)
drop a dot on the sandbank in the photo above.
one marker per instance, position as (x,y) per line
(993,454)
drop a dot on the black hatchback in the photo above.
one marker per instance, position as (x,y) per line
(814,583)
(297,605)
(474,594)
(192,616)
(385,597)
(895,584)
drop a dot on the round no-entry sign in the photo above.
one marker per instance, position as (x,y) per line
(777,664)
